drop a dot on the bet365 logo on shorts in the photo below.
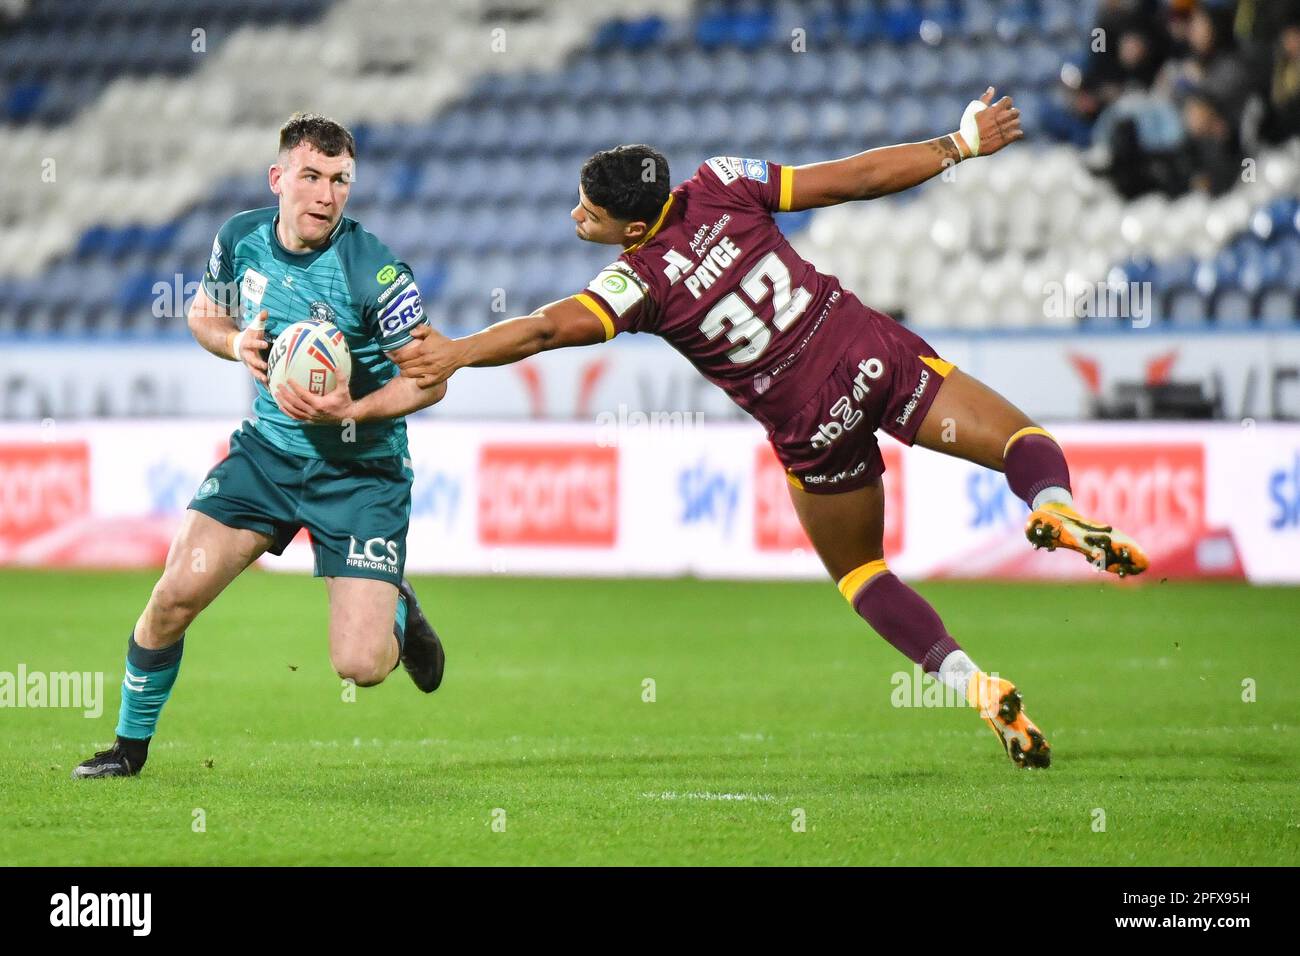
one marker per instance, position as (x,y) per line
(375,554)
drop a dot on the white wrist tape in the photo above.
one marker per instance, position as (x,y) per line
(969,128)
(237,343)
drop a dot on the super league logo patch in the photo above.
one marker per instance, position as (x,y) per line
(755,169)
(214,263)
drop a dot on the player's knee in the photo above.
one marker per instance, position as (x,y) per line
(364,667)
(172,609)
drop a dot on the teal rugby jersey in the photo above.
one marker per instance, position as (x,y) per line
(356,283)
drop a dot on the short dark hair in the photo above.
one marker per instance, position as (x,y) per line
(318,131)
(629,181)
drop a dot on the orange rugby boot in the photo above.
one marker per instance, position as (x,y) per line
(1000,705)
(1057,525)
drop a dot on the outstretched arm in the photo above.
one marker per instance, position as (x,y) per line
(559,325)
(891,169)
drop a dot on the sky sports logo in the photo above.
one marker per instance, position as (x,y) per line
(563,495)
(1284,496)
(1151,489)
(707,496)
(77,909)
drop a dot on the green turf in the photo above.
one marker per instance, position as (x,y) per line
(773,692)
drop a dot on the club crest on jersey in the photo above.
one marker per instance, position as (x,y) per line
(321,312)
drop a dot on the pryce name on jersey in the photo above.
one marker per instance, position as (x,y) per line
(709,270)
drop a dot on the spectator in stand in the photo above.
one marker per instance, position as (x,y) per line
(1213,152)
(1213,63)
(1282,118)
(1125,56)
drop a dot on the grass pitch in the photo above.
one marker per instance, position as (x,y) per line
(773,703)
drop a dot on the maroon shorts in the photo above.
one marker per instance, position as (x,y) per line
(886,378)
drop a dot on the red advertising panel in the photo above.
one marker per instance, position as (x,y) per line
(42,487)
(777,528)
(1156,493)
(552,494)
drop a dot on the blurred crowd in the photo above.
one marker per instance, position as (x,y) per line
(1179,93)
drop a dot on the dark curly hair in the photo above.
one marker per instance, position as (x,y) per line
(629,181)
(321,132)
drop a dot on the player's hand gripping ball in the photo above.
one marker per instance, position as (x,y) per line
(313,354)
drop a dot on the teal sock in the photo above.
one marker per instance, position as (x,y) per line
(399,625)
(146,687)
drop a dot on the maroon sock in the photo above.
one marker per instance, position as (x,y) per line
(1034,463)
(905,619)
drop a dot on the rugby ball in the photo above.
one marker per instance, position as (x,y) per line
(313,354)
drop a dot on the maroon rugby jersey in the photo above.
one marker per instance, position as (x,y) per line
(717,279)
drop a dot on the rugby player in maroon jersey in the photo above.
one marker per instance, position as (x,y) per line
(705,267)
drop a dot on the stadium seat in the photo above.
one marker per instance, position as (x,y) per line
(490,175)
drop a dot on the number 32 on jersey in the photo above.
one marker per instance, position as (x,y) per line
(750,333)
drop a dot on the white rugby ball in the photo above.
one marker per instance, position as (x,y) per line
(311,354)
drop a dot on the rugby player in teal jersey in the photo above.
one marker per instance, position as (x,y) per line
(336,463)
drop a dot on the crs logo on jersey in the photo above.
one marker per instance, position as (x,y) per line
(562,495)
(403,312)
(42,487)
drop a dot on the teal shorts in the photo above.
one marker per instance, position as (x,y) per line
(356,511)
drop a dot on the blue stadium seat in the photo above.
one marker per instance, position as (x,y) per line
(1277,308)
(1232,308)
(482,190)
(1186,307)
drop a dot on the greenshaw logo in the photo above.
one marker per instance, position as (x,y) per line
(386,275)
(615,284)
(208,488)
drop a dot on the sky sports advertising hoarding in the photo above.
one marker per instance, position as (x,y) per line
(637,496)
